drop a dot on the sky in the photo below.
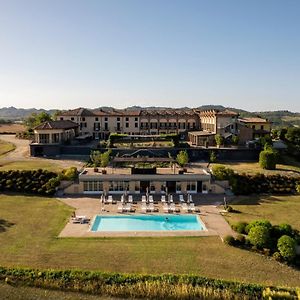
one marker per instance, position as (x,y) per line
(89,53)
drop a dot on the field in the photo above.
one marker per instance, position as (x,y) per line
(28,237)
(11,128)
(5,148)
(277,209)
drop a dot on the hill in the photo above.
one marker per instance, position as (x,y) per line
(280,118)
(13,113)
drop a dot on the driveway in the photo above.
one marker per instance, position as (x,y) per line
(21,153)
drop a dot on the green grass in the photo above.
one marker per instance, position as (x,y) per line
(277,209)
(32,242)
(29,165)
(6,147)
(289,167)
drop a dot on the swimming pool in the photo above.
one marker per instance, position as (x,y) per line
(147,223)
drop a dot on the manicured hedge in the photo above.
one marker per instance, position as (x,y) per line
(164,286)
(40,182)
(243,184)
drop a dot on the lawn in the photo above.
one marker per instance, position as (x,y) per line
(29,165)
(6,147)
(28,238)
(290,167)
(277,209)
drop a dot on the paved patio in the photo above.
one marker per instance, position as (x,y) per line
(210,215)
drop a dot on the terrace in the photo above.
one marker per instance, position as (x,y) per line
(90,207)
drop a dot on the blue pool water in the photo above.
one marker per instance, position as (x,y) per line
(147,223)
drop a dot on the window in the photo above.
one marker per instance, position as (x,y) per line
(118,126)
(96,126)
(152,187)
(253,126)
(262,127)
(44,138)
(118,119)
(105,126)
(92,186)
(118,186)
(105,119)
(137,186)
(61,118)
(72,118)
(96,119)
(191,186)
(135,119)
(83,119)
(127,119)
(136,125)
(55,137)
(178,186)
(126,125)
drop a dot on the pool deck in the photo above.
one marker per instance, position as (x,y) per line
(210,215)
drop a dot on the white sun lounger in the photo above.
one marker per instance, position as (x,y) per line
(166,208)
(163,198)
(171,198)
(150,199)
(181,199)
(144,200)
(130,199)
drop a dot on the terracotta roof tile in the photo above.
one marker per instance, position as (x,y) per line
(61,124)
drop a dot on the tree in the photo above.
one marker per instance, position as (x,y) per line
(213,157)
(219,139)
(182,158)
(100,159)
(36,119)
(235,140)
(293,135)
(287,247)
(105,158)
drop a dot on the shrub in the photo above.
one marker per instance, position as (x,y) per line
(298,187)
(239,227)
(36,181)
(129,286)
(222,173)
(277,256)
(182,158)
(240,239)
(269,294)
(264,223)
(228,208)
(287,247)
(268,159)
(229,240)
(285,229)
(259,236)
(70,173)
(219,139)
(213,157)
